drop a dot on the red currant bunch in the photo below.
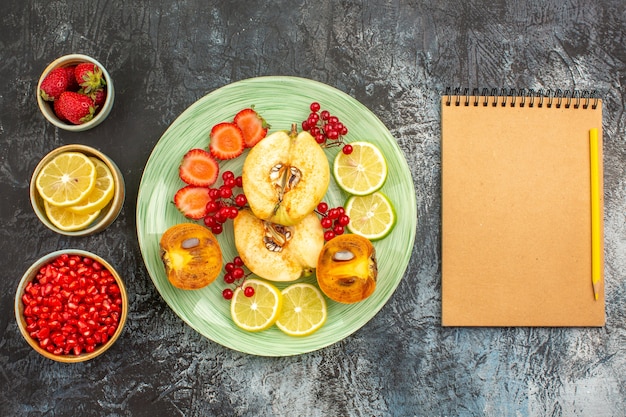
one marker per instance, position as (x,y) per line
(224,204)
(334,220)
(236,274)
(327,129)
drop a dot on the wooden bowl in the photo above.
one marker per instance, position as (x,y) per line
(107,215)
(46,106)
(32,273)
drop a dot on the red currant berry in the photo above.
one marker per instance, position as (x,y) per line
(214,193)
(347,149)
(333,135)
(315,106)
(329,235)
(220,218)
(343,220)
(333,213)
(320,138)
(248,291)
(225,192)
(209,221)
(230,183)
(233,212)
(238,261)
(241,200)
(305,125)
(338,229)
(229,278)
(229,267)
(212,206)
(227,293)
(326,223)
(322,207)
(217,229)
(238,273)
(239,181)
(344,131)
(227,175)
(325,114)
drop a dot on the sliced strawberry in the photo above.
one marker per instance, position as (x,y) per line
(253,126)
(226,141)
(199,168)
(191,200)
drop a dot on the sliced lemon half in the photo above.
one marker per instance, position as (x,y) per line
(361,172)
(304,310)
(258,312)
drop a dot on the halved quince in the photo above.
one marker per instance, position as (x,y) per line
(285,176)
(347,269)
(276,252)
(191,255)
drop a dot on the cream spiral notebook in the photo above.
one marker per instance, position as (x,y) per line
(516,209)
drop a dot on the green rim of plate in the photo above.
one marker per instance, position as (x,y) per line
(281,101)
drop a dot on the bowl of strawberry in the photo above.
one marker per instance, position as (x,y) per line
(71,305)
(75,92)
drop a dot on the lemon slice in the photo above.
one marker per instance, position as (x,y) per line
(65,219)
(361,172)
(371,216)
(102,192)
(304,310)
(258,312)
(66,179)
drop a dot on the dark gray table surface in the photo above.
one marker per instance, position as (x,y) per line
(396,57)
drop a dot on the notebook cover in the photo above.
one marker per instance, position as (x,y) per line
(516,216)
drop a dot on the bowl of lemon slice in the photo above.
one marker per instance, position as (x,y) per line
(76,190)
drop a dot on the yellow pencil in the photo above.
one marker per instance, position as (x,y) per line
(596,215)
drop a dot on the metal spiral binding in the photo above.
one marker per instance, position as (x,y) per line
(522,98)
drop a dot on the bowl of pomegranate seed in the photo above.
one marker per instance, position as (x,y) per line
(76,190)
(71,305)
(75,92)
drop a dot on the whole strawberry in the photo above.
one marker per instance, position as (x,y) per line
(75,107)
(57,81)
(58,111)
(73,84)
(99,97)
(89,77)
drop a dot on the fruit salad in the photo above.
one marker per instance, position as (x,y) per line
(282,228)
